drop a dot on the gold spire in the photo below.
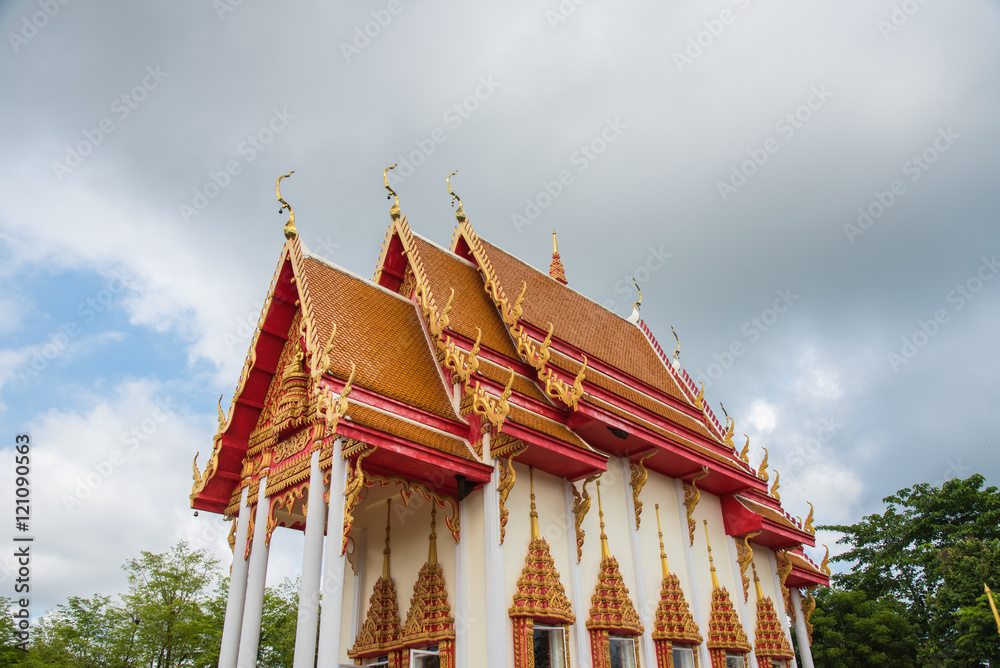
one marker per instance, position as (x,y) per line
(605,552)
(534,513)
(386,552)
(432,551)
(556,270)
(459,212)
(290,231)
(663,555)
(394,212)
(756,582)
(711,563)
(993,606)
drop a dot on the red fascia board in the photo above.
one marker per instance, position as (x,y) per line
(407,450)
(361,395)
(799,577)
(554,456)
(740,520)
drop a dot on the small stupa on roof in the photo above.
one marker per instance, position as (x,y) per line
(556,270)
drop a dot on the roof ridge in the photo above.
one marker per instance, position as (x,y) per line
(444,250)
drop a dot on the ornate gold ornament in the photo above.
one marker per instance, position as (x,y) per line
(762,471)
(808,607)
(638,480)
(394,212)
(512,313)
(197,474)
(569,395)
(730,428)
(677,351)
(784,569)
(825,566)
(744,557)
(692,495)
(581,506)
(459,212)
(380,634)
(725,632)
(407,489)
(699,399)
(745,452)
(463,363)
(808,526)
(352,494)
(536,356)
(505,484)
(556,269)
(285,500)
(494,410)
(636,304)
(776,485)
(674,622)
(993,606)
(611,606)
(290,231)
(770,641)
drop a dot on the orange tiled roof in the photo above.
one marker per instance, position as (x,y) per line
(368,417)
(522,385)
(472,306)
(768,512)
(379,332)
(543,425)
(582,323)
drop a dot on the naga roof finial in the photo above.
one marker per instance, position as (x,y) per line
(394,212)
(459,212)
(637,304)
(290,231)
(677,352)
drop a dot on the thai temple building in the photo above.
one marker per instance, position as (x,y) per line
(493,471)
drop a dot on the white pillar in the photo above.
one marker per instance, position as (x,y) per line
(312,562)
(358,591)
(461,608)
(805,650)
(749,625)
(779,605)
(237,589)
(256,580)
(646,641)
(333,567)
(577,598)
(704,659)
(496,599)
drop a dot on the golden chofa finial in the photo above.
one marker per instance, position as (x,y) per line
(756,582)
(459,212)
(534,513)
(636,304)
(711,563)
(663,555)
(432,551)
(605,552)
(386,552)
(677,352)
(394,212)
(290,231)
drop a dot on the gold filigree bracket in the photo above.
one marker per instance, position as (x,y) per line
(352,494)
(692,495)
(638,480)
(505,484)
(581,506)
(744,557)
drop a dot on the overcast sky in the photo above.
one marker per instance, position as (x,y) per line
(805,191)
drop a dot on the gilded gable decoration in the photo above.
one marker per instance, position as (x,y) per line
(290,231)
(692,495)
(381,630)
(784,569)
(409,487)
(429,620)
(770,641)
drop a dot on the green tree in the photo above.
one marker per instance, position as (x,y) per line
(277,628)
(10,654)
(850,630)
(931,550)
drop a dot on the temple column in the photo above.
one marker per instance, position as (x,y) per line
(333,566)
(780,603)
(256,580)
(312,562)
(237,589)
(704,659)
(579,630)
(461,609)
(358,592)
(496,599)
(646,640)
(801,634)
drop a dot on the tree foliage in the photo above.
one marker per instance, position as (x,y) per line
(931,551)
(851,630)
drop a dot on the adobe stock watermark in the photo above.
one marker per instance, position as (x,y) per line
(655,260)
(790,123)
(135,436)
(248,149)
(581,158)
(454,116)
(31,25)
(363,35)
(59,340)
(704,39)
(752,329)
(955,469)
(959,296)
(223,7)
(564,10)
(915,167)
(122,107)
(901,14)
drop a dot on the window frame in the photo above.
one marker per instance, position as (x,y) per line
(631,641)
(739,657)
(561,630)
(689,651)
(430,650)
